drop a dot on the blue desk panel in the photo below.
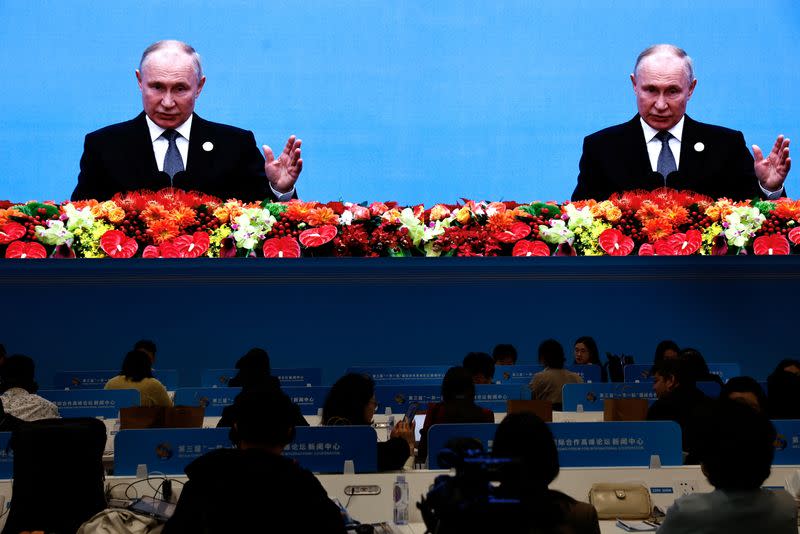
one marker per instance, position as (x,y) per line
(336,313)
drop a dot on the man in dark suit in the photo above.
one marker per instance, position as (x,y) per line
(662,146)
(169,145)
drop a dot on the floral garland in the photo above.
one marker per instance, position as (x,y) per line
(177,224)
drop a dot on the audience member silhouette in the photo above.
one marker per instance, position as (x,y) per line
(679,400)
(783,390)
(137,373)
(527,440)
(19,389)
(351,401)
(253,488)
(547,384)
(480,366)
(457,406)
(736,452)
(504,354)
(746,390)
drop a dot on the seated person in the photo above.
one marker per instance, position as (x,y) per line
(351,401)
(504,354)
(666,350)
(678,400)
(19,391)
(746,390)
(457,406)
(525,438)
(148,347)
(254,374)
(586,353)
(697,366)
(547,384)
(137,373)
(783,390)
(254,487)
(736,452)
(480,366)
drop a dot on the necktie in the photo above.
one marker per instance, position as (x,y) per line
(666,161)
(173,162)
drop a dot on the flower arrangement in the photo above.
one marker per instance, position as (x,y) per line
(178,224)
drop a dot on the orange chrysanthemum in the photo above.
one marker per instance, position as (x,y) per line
(163,230)
(154,212)
(656,229)
(184,216)
(322,216)
(500,222)
(788,209)
(677,215)
(297,210)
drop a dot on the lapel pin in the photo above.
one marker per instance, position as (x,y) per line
(208,146)
(698,147)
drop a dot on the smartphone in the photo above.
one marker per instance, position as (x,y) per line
(411,412)
(157,508)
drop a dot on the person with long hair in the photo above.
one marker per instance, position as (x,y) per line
(457,406)
(585,352)
(526,440)
(351,401)
(137,373)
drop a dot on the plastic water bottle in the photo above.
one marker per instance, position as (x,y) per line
(400,501)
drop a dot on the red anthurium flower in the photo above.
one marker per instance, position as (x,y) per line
(117,245)
(518,230)
(615,243)
(151,251)
(24,249)
(169,250)
(794,235)
(11,231)
(192,246)
(281,247)
(679,244)
(646,250)
(315,237)
(531,248)
(771,245)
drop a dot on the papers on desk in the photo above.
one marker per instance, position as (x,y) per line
(637,526)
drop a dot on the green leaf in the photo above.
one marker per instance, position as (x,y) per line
(274,209)
(538,209)
(32,209)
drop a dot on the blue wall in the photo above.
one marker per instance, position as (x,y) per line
(413,101)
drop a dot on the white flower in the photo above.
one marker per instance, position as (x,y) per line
(54,234)
(346,218)
(578,217)
(557,233)
(76,218)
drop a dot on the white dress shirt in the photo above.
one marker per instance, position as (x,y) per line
(654,149)
(160,146)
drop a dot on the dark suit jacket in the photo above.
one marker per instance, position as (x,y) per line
(120,158)
(616,160)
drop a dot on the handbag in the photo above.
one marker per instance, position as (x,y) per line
(621,501)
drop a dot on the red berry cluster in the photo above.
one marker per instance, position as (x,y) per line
(535,222)
(697,221)
(774,225)
(629,225)
(31,222)
(134,227)
(284,228)
(206,222)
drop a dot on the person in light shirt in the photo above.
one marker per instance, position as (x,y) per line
(19,389)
